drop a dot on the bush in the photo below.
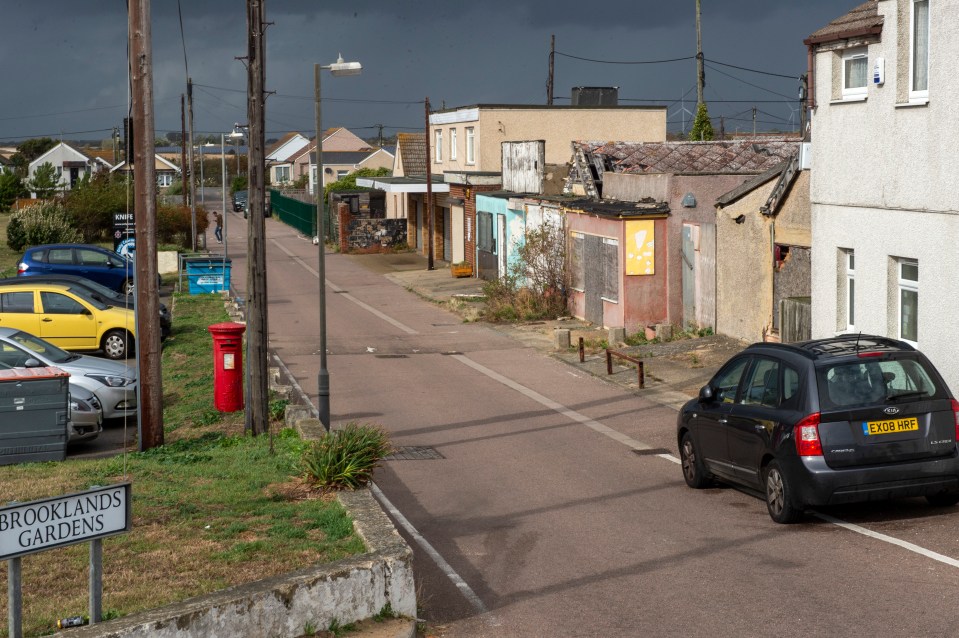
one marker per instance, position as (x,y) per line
(91,205)
(346,458)
(175,223)
(43,223)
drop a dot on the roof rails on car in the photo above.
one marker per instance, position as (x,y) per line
(854,344)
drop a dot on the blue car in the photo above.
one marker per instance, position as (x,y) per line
(92,262)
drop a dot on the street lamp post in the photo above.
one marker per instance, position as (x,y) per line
(338,68)
(202,198)
(234,135)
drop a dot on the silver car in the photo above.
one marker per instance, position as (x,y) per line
(86,417)
(114,383)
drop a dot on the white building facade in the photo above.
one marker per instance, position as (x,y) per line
(885,217)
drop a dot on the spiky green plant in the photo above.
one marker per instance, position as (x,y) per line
(346,458)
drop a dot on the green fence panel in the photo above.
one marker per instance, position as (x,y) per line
(293,212)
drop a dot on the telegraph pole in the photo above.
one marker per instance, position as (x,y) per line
(429,193)
(549,78)
(144,188)
(189,103)
(257,332)
(700,70)
(183,166)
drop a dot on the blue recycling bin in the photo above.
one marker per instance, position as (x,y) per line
(206,275)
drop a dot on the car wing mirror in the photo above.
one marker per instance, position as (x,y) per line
(32,363)
(86,311)
(706,394)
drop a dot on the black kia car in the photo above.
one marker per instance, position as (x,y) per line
(839,420)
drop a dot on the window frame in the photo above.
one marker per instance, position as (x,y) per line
(470,145)
(906,286)
(610,271)
(918,96)
(452,144)
(438,146)
(856,92)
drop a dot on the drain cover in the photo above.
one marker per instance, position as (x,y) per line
(414,453)
(652,451)
(390,356)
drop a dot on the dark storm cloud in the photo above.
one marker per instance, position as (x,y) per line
(69,59)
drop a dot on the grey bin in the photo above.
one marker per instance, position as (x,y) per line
(34,411)
(206,275)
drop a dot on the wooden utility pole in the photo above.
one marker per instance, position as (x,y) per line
(429,193)
(700,62)
(549,79)
(150,383)
(183,166)
(189,105)
(257,332)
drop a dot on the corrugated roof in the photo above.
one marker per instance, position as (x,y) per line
(861,21)
(726,157)
(412,148)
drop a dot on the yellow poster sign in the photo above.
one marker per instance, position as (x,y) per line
(640,248)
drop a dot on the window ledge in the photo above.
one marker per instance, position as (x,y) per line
(849,98)
(608,300)
(911,103)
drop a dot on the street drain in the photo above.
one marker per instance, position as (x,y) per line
(652,451)
(446,354)
(414,453)
(390,356)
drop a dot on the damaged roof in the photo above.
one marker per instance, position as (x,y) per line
(647,207)
(748,156)
(862,21)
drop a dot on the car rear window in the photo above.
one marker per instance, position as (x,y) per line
(874,381)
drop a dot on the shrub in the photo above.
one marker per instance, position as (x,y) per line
(346,458)
(44,223)
(175,223)
(91,205)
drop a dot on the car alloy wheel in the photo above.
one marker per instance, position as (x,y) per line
(779,496)
(693,471)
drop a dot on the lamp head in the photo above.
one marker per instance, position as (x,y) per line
(341,68)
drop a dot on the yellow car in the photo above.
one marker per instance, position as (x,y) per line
(68,317)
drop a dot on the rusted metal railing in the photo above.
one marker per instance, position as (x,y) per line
(622,355)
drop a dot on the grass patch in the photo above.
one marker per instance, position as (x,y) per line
(211,508)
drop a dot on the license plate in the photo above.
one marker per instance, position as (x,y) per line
(890,426)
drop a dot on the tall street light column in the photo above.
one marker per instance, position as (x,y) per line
(338,68)
(235,134)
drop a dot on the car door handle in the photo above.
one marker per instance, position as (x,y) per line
(47,319)
(760,428)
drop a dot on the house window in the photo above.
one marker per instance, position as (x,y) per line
(470,146)
(438,146)
(610,269)
(850,290)
(576,262)
(909,300)
(341,173)
(452,144)
(855,73)
(282,174)
(919,51)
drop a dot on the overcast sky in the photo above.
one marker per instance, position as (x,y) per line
(65,69)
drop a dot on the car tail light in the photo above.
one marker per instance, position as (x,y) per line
(955,411)
(863,355)
(807,436)
(22,268)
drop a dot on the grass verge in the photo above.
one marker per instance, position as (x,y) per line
(211,508)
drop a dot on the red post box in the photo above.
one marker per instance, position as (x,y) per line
(227,366)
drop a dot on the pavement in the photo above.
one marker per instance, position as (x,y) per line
(674,371)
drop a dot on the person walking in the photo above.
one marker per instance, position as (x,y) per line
(218,231)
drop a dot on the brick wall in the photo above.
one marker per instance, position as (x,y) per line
(468,195)
(363,233)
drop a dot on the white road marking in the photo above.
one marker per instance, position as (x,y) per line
(912,547)
(445,567)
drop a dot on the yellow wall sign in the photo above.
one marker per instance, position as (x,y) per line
(640,248)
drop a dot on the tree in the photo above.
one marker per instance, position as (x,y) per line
(45,181)
(348,183)
(11,188)
(91,204)
(28,151)
(702,127)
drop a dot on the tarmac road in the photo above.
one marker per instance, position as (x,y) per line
(553,504)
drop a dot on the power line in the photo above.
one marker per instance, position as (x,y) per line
(755,86)
(742,68)
(576,57)
(57,134)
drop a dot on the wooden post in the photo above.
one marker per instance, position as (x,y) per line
(429,192)
(582,351)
